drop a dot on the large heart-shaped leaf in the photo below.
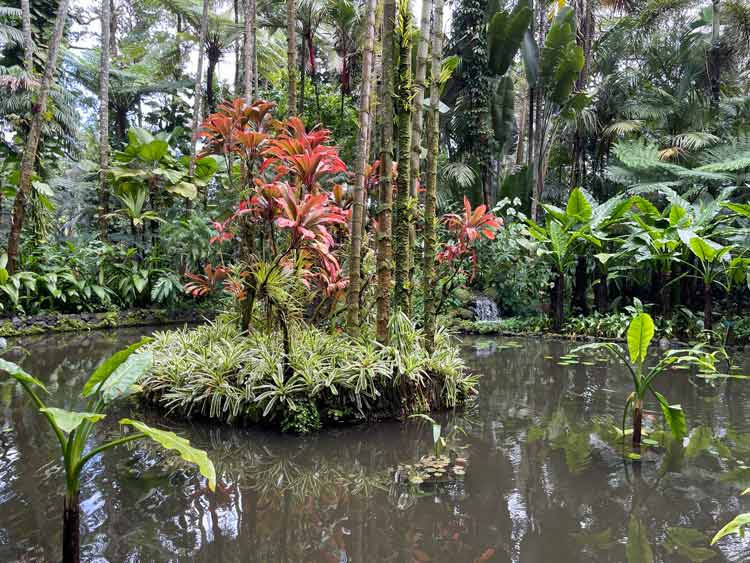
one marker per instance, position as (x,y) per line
(578,206)
(120,383)
(640,333)
(20,374)
(67,421)
(153,151)
(674,416)
(736,526)
(172,441)
(110,365)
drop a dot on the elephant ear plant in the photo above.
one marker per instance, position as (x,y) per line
(639,335)
(112,380)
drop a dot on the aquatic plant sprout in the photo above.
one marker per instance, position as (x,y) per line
(114,379)
(639,336)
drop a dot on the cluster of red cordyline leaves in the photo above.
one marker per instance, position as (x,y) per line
(288,173)
(468,228)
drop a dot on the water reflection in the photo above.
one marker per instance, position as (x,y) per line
(545,478)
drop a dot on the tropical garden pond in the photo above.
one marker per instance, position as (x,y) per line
(543,475)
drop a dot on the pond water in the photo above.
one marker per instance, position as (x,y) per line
(545,479)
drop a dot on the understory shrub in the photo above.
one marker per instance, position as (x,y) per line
(220,372)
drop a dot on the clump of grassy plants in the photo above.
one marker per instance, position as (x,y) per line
(220,372)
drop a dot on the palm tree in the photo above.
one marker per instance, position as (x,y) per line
(32,141)
(385,198)
(104,119)
(249,52)
(433,150)
(28,41)
(291,54)
(344,17)
(363,145)
(310,16)
(202,40)
(404,215)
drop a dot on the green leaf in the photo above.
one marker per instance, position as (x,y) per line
(674,416)
(640,333)
(704,250)
(172,441)
(676,213)
(68,421)
(110,365)
(153,151)
(185,189)
(120,383)
(638,549)
(578,206)
(20,374)
(733,527)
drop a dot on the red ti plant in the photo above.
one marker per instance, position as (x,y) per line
(289,219)
(467,228)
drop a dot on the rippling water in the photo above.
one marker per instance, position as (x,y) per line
(545,479)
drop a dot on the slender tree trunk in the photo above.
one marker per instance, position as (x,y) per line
(418,126)
(404,215)
(72,528)
(104,121)
(113,29)
(249,52)
(430,218)
(213,60)
(291,53)
(715,65)
(521,129)
(358,206)
(558,299)
(602,291)
(237,70)
(32,141)
(579,295)
(666,292)
(197,96)
(384,264)
(28,40)
(708,307)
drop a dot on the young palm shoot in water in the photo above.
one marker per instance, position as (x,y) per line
(639,336)
(114,379)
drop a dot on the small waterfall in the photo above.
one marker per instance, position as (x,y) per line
(485,309)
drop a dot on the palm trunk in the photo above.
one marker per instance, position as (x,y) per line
(104,121)
(28,41)
(249,52)
(708,306)
(358,206)
(558,298)
(385,197)
(291,54)
(302,80)
(404,218)
(715,66)
(213,60)
(579,295)
(72,528)
(237,68)
(602,291)
(197,97)
(32,141)
(418,126)
(430,219)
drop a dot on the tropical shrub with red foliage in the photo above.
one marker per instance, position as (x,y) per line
(465,230)
(290,216)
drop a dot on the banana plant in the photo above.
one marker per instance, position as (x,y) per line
(713,264)
(114,379)
(563,228)
(639,335)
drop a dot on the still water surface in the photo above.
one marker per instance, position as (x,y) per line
(545,479)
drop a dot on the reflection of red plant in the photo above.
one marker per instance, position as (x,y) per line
(203,284)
